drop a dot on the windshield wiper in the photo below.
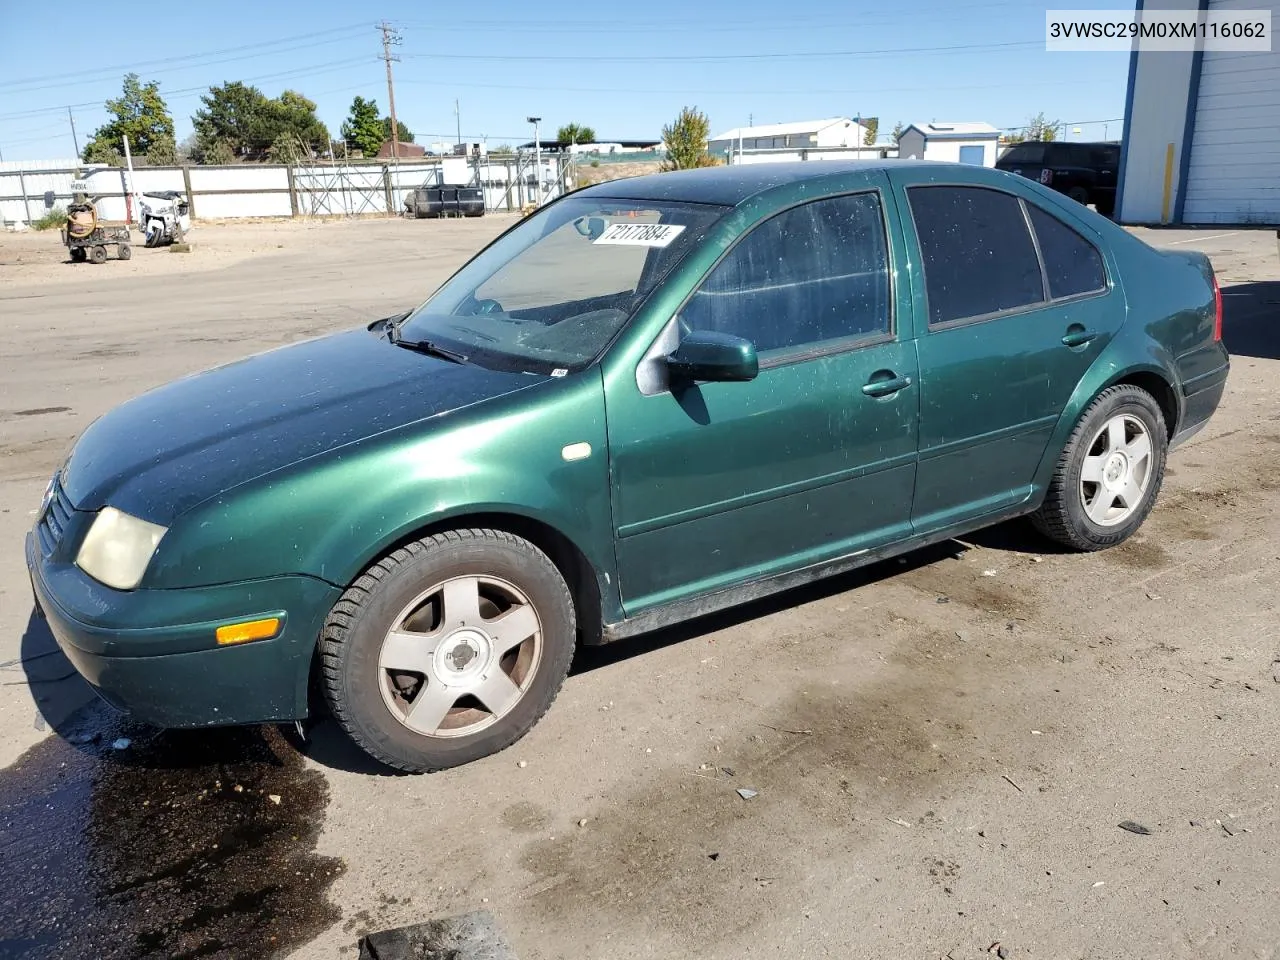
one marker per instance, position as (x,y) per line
(425,346)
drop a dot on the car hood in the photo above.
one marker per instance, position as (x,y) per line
(167,450)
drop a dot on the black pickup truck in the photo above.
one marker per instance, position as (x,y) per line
(1085,172)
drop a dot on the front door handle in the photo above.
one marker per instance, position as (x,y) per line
(884,387)
(1079,337)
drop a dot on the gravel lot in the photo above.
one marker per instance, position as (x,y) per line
(943,745)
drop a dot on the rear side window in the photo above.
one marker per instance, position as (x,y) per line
(977,252)
(811,275)
(1072,264)
(1025,153)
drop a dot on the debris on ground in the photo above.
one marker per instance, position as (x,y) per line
(900,822)
(713,856)
(728,771)
(472,936)
(1012,782)
(80,739)
(582,822)
(522,764)
(746,793)
(1134,828)
(944,599)
(121,743)
(274,798)
(988,573)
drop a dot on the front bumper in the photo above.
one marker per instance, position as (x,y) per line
(152,653)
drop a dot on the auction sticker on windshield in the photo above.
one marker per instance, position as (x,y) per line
(640,234)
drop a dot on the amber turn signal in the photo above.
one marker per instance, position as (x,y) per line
(249,630)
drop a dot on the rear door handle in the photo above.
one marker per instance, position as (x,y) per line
(882,388)
(1078,338)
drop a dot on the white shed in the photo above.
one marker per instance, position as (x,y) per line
(974,143)
(831,132)
(1202,133)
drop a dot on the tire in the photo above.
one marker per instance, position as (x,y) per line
(123,251)
(1075,511)
(1106,207)
(405,591)
(1080,195)
(78,255)
(98,254)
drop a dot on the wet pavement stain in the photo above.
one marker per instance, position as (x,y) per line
(174,846)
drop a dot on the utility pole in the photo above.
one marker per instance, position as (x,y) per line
(457,113)
(74,139)
(391,36)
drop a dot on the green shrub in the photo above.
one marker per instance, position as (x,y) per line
(52,220)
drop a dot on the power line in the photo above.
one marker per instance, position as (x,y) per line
(188,92)
(192,59)
(725,57)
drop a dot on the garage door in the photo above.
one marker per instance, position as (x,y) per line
(1234,174)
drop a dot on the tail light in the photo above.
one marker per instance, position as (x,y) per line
(1217,311)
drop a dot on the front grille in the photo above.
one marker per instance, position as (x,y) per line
(54,522)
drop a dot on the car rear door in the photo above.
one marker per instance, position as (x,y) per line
(1014,319)
(721,483)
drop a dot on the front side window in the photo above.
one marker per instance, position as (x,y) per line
(976,251)
(812,275)
(551,294)
(1072,264)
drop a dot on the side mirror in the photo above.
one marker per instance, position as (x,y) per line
(714,358)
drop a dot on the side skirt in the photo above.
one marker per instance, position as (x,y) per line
(681,611)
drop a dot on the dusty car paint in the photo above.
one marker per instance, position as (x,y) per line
(284,475)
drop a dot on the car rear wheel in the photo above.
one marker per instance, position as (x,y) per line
(1079,195)
(1109,473)
(448,649)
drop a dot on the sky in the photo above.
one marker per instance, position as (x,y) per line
(624,69)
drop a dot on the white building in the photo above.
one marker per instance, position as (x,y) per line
(975,143)
(800,135)
(1202,133)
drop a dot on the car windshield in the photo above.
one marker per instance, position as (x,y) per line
(551,294)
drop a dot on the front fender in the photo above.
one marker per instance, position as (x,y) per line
(330,519)
(1110,368)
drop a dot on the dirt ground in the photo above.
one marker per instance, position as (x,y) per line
(943,746)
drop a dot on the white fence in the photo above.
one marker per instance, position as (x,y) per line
(271,190)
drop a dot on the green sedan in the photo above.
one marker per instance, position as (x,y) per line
(651,400)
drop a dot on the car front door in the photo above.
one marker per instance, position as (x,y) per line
(720,483)
(1018,306)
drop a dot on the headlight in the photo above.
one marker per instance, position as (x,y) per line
(118,548)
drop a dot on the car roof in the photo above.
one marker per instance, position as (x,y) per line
(730,186)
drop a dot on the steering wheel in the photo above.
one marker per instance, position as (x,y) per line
(487,306)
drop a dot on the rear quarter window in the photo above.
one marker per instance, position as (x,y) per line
(1072,264)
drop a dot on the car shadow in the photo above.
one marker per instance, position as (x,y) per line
(60,694)
(1251,319)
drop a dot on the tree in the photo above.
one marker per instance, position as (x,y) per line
(249,124)
(140,114)
(404,134)
(1038,128)
(163,153)
(503,150)
(898,131)
(576,133)
(686,140)
(363,129)
(872,126)
(218,153)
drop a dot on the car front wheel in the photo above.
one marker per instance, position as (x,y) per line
(448,649)
(1107,478)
